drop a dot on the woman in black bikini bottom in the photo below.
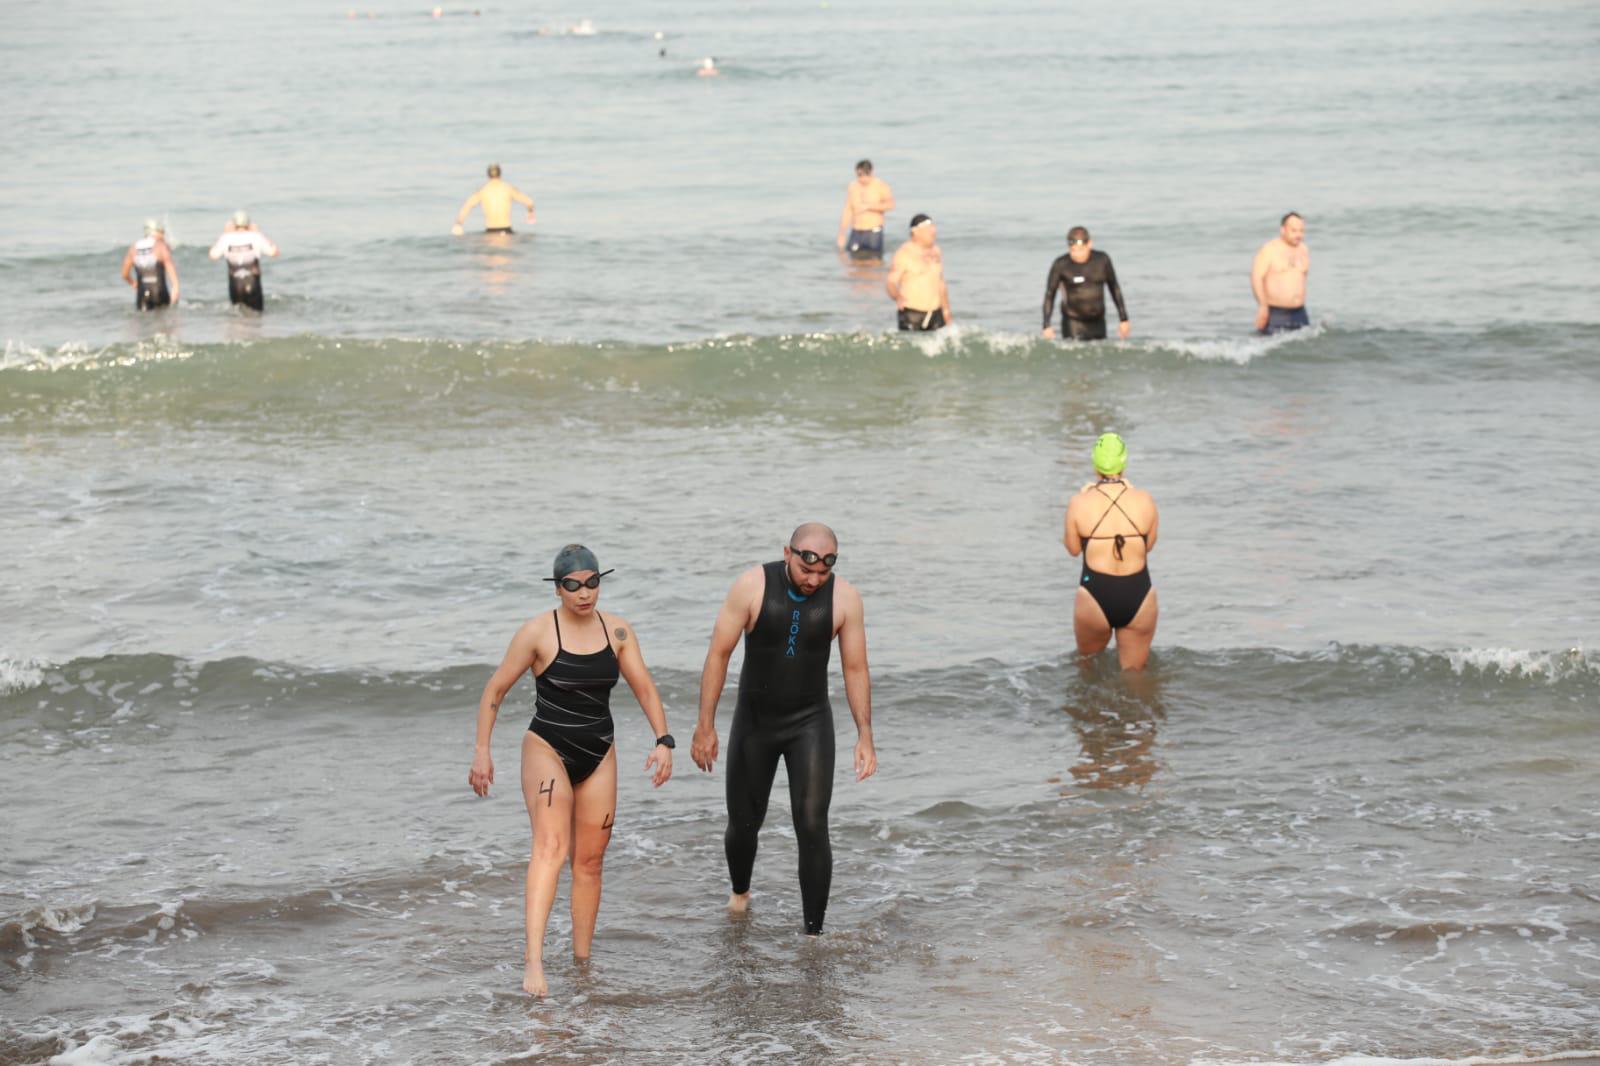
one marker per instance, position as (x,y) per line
(569,770)
(1123,604)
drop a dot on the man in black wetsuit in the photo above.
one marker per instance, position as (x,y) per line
(1084,273)
(788,611)
(148,266)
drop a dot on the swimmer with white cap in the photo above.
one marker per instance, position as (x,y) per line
(243,245)
(708,68)
(148,267)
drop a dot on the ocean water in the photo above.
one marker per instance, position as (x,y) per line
(259,567)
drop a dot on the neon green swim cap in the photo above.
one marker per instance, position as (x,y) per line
(1110,454)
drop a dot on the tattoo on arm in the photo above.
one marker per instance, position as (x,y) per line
(622,634)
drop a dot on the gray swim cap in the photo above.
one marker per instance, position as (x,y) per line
(241,218)
(571,559)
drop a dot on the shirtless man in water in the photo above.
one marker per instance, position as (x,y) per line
(1278,278)
(916,280)
(495,197)
(866,201)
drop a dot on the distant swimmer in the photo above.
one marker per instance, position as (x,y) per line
(569,756)
(1278,278)
(243,245)
(495,197)
(148,267)
(1085,274)
(788,613)
(866,201)
(1104,521)
(708,68)
(916,280)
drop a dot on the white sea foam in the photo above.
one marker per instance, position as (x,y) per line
(1240,350)
(75,355)
(19,674)
(1515,662)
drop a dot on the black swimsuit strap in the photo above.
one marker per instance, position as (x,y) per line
(1117,539)
(556,616)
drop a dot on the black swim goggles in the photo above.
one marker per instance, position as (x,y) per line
(811,558)
(572,584)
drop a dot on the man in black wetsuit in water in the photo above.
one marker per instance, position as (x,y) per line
(1084,273)
(788,612)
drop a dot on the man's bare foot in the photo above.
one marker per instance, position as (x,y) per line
(738,903)
(533,979)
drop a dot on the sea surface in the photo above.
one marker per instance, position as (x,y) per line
(258,568)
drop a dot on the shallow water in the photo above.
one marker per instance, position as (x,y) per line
(261,567)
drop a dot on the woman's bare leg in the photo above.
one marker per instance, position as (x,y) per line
(1134,639)
(1089,624)
(594,812)
(549,799)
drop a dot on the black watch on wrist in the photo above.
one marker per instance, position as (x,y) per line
(665,740)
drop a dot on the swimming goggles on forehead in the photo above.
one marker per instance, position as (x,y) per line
(572,584)
(811,558)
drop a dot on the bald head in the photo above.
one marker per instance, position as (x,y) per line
(814,536)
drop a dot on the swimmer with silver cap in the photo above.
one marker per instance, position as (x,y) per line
(1113,526)
(243,245)
(495,197)
(149,268)
(569,758)
(916,280)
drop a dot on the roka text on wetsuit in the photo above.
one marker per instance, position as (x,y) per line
(783,710)
(1083,307)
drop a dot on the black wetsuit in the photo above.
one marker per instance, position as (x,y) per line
(572,711)
(244,286)
(243,258)
(783,710)
(149,277)
(1083,308)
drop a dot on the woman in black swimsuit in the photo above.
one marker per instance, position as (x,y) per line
(569,766)
(1113,525)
